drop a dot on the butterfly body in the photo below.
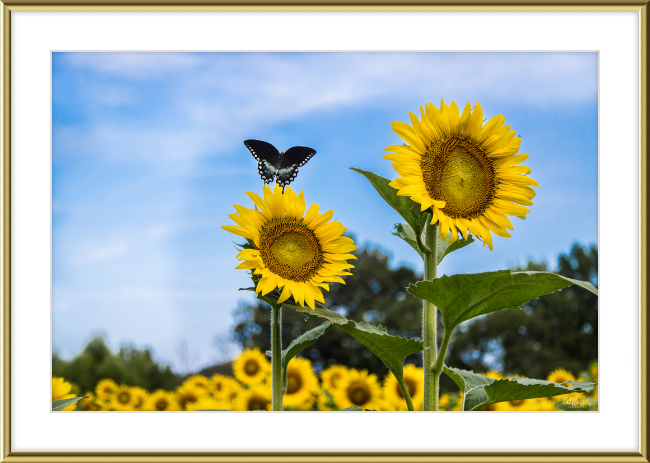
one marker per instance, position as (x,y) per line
(281,165)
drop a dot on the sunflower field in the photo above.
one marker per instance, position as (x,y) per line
(336,388)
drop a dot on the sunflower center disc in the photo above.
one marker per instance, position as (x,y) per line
(516,403)
(290,249)
(161,404)
(256,403)
(335,379)
(251,367)
(294,382)
(124,397)
(358,394)
(457,171)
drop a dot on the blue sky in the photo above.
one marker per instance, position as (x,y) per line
(148,159)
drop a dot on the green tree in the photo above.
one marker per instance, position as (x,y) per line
(129,366)
(374,293)
(555,331)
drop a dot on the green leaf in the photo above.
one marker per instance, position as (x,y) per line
(299,344)
(352,409)
(470,383)
(58,405)
(404,231)
(480,391)
(463,297)
(407,208)
(392,350)
(445,249)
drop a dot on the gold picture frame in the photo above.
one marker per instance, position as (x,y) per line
(6,453)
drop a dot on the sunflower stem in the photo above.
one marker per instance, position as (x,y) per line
(407,396)
(429,318)
(277,386)
(440,361)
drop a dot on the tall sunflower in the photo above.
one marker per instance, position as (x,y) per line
(251,367)
(302,385)
(466,171)
(299,253)
(359,389)
(393,395)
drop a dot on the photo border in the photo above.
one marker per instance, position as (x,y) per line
(316,5)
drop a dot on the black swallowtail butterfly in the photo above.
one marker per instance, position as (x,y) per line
(281,165)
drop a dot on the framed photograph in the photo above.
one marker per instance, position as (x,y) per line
(189,189)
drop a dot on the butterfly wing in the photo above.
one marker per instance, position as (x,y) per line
(268,158)
(298,155)
(293,158)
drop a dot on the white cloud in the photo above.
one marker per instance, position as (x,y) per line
(214,99)
(61,306)
(97,253)
(132,65)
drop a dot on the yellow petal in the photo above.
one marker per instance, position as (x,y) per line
(475,124)
(520,180)
(312,212)
(268,199)
(300,205)
(286,294)
(309,296)
(237,231)
(259,202)
(324,218)
(247,265)
(278,201)
(406,132)
(510,161)
(501,219)
(444,226)
(494,227)
(454,119)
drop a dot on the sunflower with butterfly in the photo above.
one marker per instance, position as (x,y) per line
(459,177)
